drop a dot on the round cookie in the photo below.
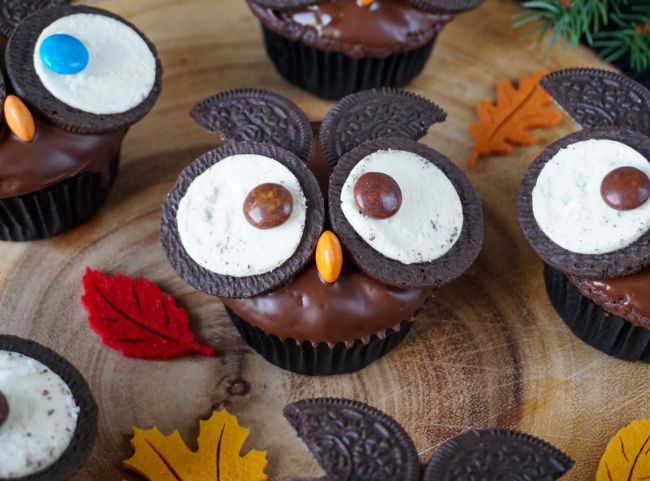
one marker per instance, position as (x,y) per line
(83,437)
(629,257)
(461,236)
(94,113)
(239,283)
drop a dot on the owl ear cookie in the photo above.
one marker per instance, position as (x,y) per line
(599,98)
(95,90)
(12,12)
(406,214)
(286,4)
(446,6)
(256,116)
(376,114)
(355,442)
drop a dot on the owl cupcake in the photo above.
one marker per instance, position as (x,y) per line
(333,48)
(321,287)
(48,417)
(76,79)
(583,206)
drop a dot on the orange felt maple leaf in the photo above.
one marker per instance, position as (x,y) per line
(218,457)
(627,457)
(508,121)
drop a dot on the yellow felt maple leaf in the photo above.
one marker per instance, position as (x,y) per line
(508,121)
(627,457)
(218,457)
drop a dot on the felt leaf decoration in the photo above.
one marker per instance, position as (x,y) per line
(508,122)
(218,457)
(137,319)
(627,457)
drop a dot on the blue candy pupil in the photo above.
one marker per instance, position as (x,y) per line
(64,54)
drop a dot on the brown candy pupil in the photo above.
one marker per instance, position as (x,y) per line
(378,195)
(625,188)
(268,205)
(4,409)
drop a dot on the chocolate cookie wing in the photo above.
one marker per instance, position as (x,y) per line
(447,6)
(574,212)
(496,454)
(375,114)
(12,12)
(405,213)
(286,4)
(354,442)
(109,78)
(242,220)
(599,98)
(256,116)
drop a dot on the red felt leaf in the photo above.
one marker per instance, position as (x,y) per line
(137,319)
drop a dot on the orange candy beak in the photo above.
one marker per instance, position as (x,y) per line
(329,257)
(364,3)
(19,118)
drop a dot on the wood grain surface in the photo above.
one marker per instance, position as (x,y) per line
(488,351)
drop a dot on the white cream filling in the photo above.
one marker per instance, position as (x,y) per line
(214,230)
(121,70)
(569,208)
(428,223)
(42,416)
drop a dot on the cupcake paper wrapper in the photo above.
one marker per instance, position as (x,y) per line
(320,360)
(55,209)
(333,75)
(590,322)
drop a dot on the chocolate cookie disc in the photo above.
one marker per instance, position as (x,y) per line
(353,441)
(619,263)
(29,87)
(376,114)
(75,456)
(447,6)
(286,4)
(496,454)
(12,12)
(229,286)
(423,274)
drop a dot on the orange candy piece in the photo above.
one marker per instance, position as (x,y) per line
(329,257)
(19,119)
(364,3)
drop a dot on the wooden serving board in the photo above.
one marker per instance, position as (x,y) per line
(488,351)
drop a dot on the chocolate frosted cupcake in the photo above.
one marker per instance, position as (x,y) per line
(76,79)
(583,206)
(247,222)
(333,48)
(48,417)
(353,441)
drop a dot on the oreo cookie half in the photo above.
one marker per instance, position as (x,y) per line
(619,263)
(80,447)
(598,98)
(27,84)
(446,6)
(461,243)
(376,114)
(223,285)
(354,442)
(286,4)
(497,454)
(256,116)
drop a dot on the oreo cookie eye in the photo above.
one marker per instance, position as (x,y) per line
(219,237)
(83,69)
(570,198)
(426,222)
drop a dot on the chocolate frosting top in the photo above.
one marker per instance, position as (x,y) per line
(383,28)
(52,156)
(627,297)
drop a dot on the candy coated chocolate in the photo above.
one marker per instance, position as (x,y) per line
(625,188)
(378,195)
(268,205)
(4,409)
(64,54)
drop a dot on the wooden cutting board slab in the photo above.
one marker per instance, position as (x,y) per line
(488,351)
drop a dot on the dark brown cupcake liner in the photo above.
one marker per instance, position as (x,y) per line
(55,209)
(75,456)
(320,360)
(590,322)
(333,75)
